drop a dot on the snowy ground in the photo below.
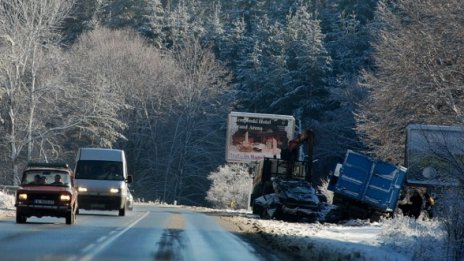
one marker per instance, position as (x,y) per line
(393,239)
(6,205)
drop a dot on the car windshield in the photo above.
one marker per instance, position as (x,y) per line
(99,169)
(48,178)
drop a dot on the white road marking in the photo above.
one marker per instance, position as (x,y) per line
(87,248)
(101,239)
(94,249)
(72,258)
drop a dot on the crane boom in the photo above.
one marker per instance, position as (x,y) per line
(291,152)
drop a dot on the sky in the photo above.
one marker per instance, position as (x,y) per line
(401,238)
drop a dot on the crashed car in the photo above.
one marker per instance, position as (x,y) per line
(291,200)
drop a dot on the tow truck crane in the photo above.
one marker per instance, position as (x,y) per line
(282,188)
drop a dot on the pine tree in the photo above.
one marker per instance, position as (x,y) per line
(156,27)
(81,19)
(308,64)
(125,13)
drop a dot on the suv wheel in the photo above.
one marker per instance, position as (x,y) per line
(20,219)
(70,218)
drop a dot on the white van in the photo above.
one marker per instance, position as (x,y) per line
(101,179)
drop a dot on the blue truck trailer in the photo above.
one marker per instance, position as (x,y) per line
(365,187)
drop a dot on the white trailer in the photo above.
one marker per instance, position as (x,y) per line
(434,154)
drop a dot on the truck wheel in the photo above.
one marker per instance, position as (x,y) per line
(264,214)
(20,219)
(122,211)
(334,216)
(70,218)
(375,216)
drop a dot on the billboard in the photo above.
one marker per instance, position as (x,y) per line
(253,136)
(434,154)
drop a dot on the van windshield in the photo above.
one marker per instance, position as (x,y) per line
(99,169)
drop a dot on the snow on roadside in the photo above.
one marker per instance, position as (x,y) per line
(401,238)
(317,241)
(419,239)
(7,208)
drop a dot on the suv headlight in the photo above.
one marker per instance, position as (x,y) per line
(22,196)
(65,197)
(82,189)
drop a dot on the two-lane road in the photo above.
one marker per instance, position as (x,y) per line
(147,233)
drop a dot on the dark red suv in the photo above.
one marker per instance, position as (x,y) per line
(47,189)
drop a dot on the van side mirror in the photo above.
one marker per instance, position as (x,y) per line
(129,179)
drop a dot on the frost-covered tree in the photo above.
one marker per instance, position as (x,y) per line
(124,13)
(346,27)
(214,29)
(28,39)
(282,68)
(82,18)
(157,23)
(306,89)
(97,69)
(187,22)
(451,207)
(230,186)
(416,78)
(249,76)
(232,42)
(196,123)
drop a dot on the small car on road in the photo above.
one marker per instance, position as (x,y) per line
(46,189)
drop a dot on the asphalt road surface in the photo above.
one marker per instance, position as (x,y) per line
(146,233)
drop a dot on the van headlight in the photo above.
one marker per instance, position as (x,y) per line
(82,189)
(114,190)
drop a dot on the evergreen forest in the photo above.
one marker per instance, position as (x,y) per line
(158,78)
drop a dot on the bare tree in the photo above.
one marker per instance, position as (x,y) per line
(418,72)
(163,108)
(102,66)
(199,109)
(28,33)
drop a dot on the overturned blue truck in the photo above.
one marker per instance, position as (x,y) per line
(365,187)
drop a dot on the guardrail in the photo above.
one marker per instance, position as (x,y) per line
(8,189)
